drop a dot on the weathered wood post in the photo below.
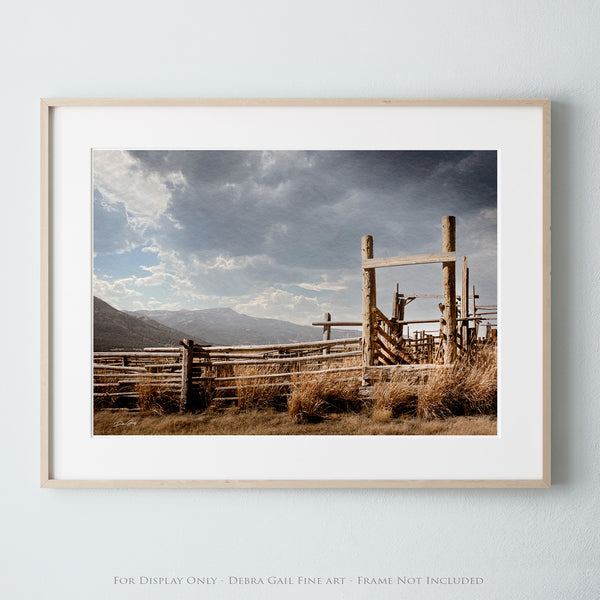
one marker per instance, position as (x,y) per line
(475,322)
(401,306)
(369,303)
(464,307)
(187,361)
(326,332)
(449,282)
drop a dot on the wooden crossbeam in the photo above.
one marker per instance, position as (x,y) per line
(384,354)
(287,374)
(297,359)
(394,349)
(415,259)
(418,322)
(379,315)
(98,366)
(384,334)
(337,324)
(411,296)
(293,346)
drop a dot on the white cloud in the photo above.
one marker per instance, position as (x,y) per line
(124,181)
(225,263)
(277,234)
(117,292)
(344,280)
(279,304)
(321,287)
(122,292)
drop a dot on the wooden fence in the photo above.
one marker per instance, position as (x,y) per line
(384,339)
(199,376)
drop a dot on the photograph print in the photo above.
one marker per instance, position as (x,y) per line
(336,292)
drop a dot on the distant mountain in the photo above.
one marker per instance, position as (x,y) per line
(224,326)
(118,330)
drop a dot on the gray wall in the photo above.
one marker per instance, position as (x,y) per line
(534,544)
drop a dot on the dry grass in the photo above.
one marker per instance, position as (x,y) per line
(155,397)
(481,386)
(269,421)
(262,391)
(394,398)
(467,388)
(459,400)
(441,395)
(108,398)
(308,396)
(313,397)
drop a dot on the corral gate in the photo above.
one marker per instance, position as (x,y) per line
(381,337)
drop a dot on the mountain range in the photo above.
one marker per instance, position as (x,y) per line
(225,326)
(117,330)
(132,330)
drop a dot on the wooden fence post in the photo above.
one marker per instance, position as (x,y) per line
(449,281)
(369,304)
(401,306)
(187,361)
(464,307)
(326,332)
(475,322)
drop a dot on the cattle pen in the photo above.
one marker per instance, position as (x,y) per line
(197,377)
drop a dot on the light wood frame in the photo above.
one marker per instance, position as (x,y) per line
(48,104)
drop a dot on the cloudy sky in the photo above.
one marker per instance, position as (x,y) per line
(278,234)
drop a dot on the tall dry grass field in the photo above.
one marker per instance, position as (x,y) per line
(259,392)
(469,387)
(315,396)
(457,400)
(156,397)
(308,396)
(270,421)
(395,398)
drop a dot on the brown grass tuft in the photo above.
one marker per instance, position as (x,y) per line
(441,395)
(394,398)
(153,396)
(468,387)
(481,384)
(262,391)
(313,397)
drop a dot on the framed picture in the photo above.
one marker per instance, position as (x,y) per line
(295,293)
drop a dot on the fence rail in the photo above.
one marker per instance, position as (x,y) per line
(190,370)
